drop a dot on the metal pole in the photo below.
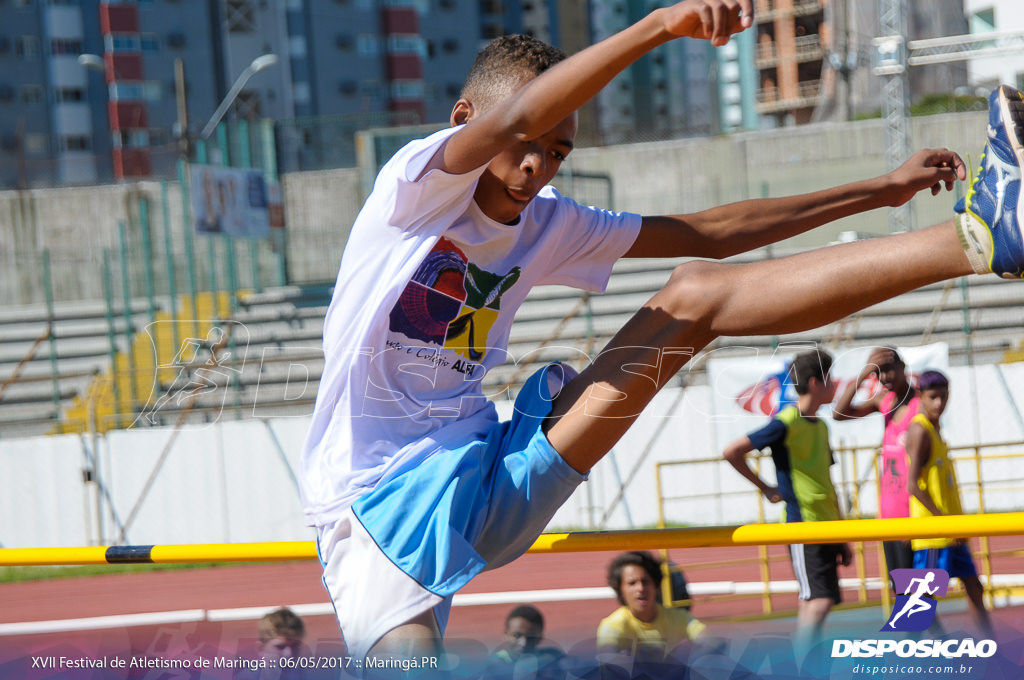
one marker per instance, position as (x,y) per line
(245,161)
(129,326)
(222,145)
(232,264)
(229,242)
(764,560)
(258,64)
(986,556)
(87,473)
(281,454)
(172,289)
(244,150)
(108,293)
(882,565)
(279,237)
(892,64)
(854,506)
(201,157)
(147,257)
(51,317)
(181,100)
(973,382)
(190,253)
(211,252)
(93,460)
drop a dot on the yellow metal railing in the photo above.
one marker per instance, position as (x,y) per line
(850,484)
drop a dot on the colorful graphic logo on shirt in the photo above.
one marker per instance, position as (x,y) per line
(893,479)
(451,302)
(914,610)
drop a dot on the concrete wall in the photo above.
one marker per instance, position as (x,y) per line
(77,225)
(691,175)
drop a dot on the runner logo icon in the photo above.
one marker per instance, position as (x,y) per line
(914,610)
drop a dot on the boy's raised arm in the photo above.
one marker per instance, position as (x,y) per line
(845,409)
(558,93)
(738,227)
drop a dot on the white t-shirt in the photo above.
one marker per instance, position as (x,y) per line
(422,308)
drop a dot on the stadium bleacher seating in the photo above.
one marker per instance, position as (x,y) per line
(272,360)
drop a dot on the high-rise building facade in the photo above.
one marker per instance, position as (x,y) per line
(996,16)
(808,48)
(791,35)
(668,92)
(88,89)
(93,91)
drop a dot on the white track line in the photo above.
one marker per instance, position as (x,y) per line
(461,600)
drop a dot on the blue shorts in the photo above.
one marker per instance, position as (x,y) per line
(477,506)
(955,560)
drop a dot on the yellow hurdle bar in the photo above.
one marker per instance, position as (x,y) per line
(160,554)
(952,526)
(957,526)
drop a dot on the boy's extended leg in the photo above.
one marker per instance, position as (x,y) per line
(416,639)
(704,300)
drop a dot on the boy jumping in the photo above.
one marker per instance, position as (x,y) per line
(413,484)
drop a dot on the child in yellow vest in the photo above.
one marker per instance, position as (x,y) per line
(642,628)
(931,480)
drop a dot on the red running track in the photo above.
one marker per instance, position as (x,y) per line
(270,585)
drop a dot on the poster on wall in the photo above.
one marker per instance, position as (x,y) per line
(233,202)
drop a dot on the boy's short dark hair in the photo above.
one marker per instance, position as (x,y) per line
(527,612)
(635,558)
(501,67)
(815,363)
(282,623)
(932,380)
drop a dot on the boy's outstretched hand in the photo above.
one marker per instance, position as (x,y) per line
(713,20)
(927,169)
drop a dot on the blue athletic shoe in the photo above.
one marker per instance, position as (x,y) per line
(990,217)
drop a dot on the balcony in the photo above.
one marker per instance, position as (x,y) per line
(805,7)
(808,48)
(766,10)
(807,96)
(766,56)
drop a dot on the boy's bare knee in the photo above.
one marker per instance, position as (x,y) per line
(693,292)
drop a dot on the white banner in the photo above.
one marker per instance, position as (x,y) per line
(747,391)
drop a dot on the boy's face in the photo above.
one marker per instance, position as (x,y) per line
(515,176)
(281,647)
(640,593)
(893,376)
(823,391)
(522,635)
(933,402)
